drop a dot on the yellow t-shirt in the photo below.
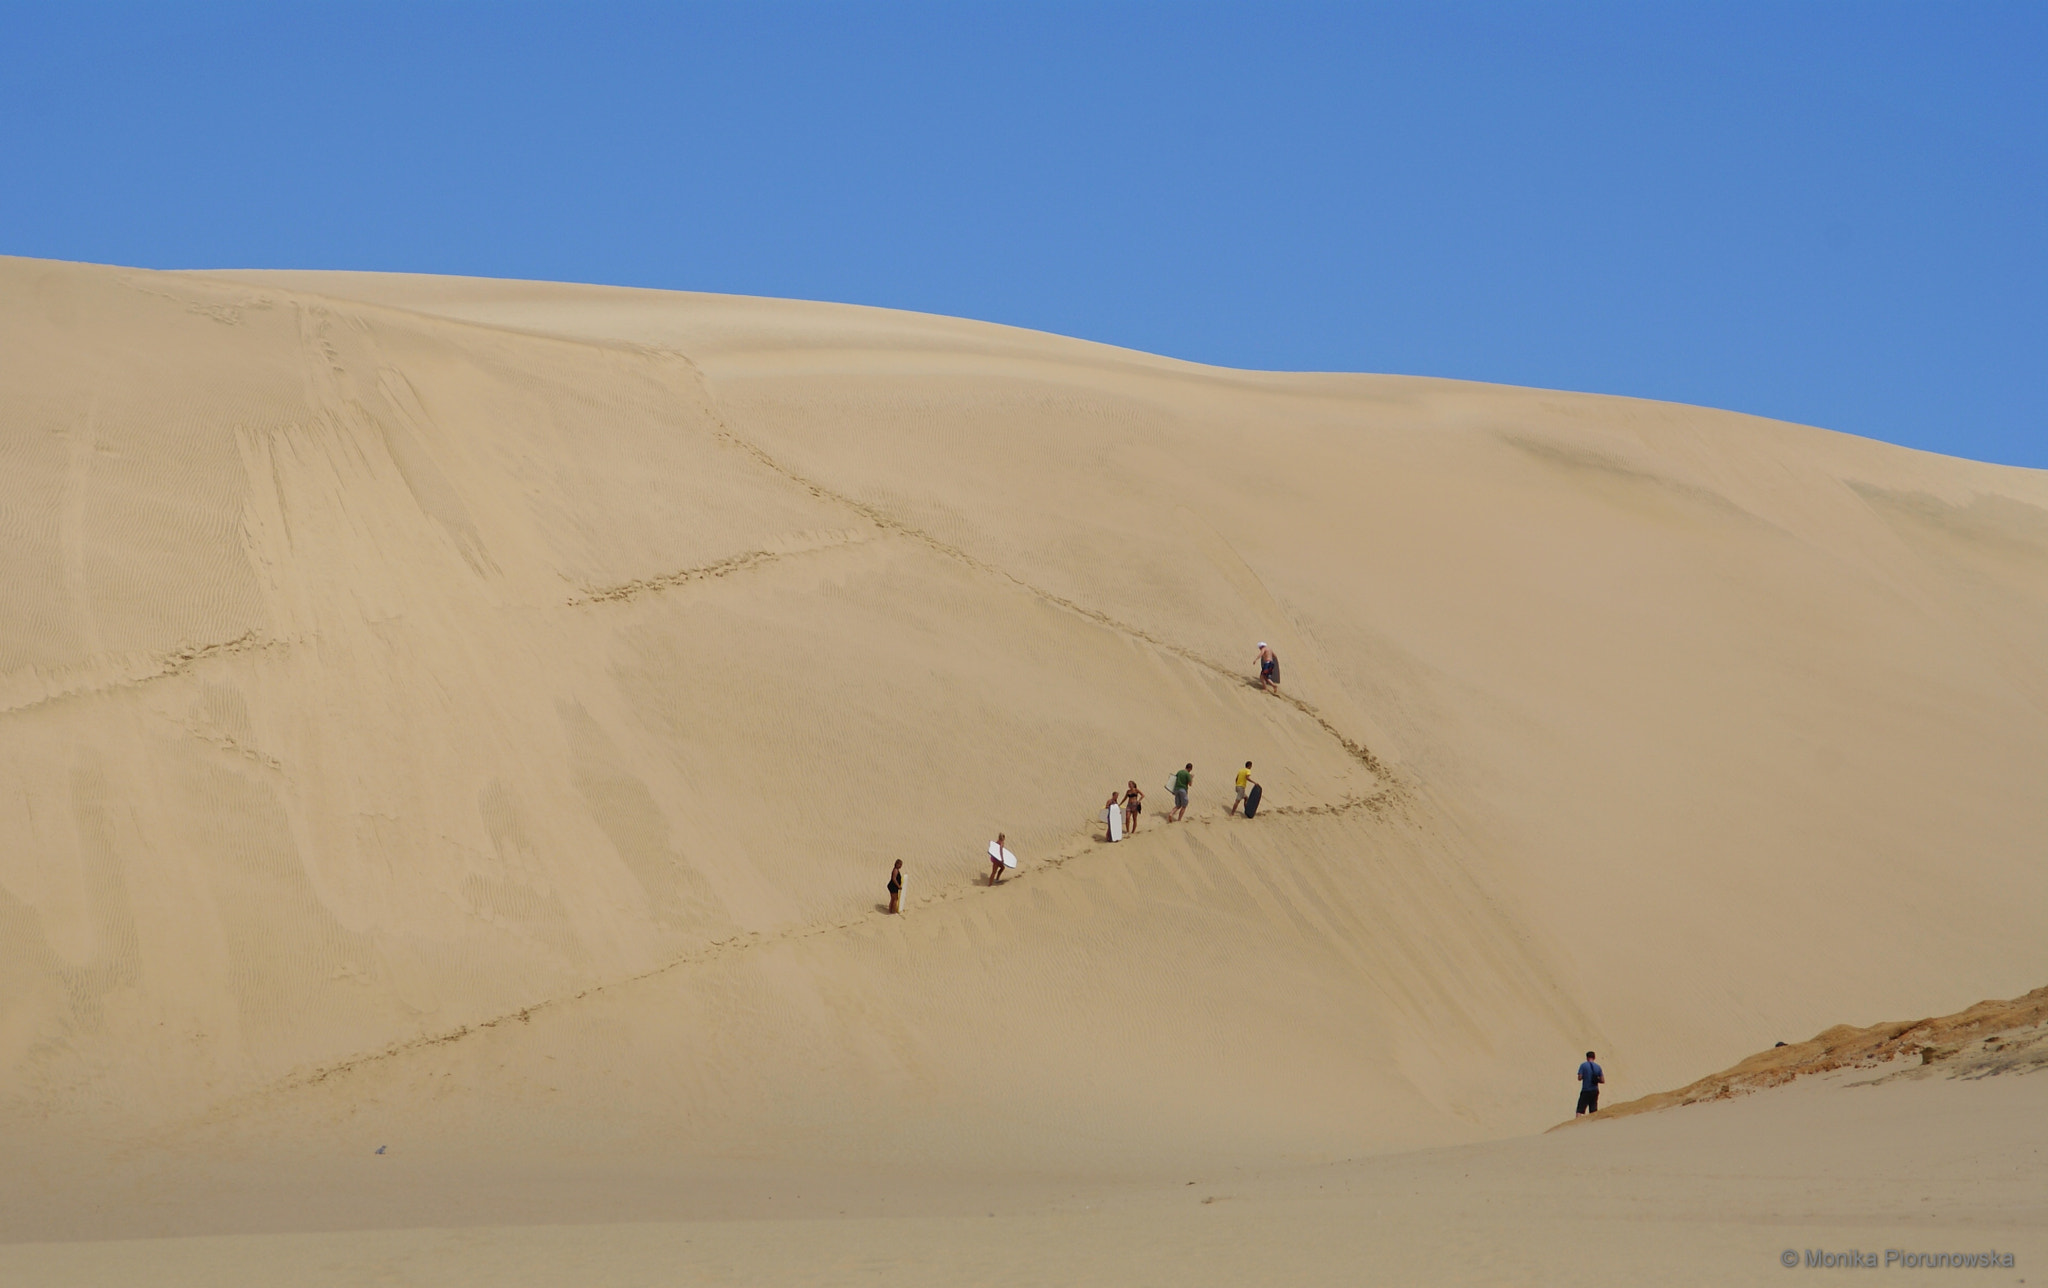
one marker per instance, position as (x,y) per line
(1243,776)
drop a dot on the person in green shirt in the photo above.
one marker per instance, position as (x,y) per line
(1181,781)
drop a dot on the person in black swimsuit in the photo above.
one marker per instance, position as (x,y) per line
(896,887)
(1134,805)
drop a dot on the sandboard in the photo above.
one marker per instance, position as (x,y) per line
(997,852)
(1115,818)
(1251,802)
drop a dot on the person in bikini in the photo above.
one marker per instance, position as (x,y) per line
(1134,805)
(896,887)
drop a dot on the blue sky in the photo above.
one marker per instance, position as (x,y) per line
(1829,213)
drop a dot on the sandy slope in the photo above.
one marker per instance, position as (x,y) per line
(478,718)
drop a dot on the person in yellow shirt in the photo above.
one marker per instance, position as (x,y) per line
(1245,783)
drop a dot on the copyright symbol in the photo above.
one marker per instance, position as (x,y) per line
(1788,1258)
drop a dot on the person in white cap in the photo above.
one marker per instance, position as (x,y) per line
(1269,669)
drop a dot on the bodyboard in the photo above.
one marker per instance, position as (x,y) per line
(1115,818)
(997,852)
(1251,802)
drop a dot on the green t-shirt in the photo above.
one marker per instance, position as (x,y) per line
(1181,780)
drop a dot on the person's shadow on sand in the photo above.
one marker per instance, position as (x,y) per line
(881,907)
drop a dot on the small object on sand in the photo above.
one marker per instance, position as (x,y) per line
(380,1149)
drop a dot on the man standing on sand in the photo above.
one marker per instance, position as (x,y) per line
(896,887)
(1269,669)
(1245,783)
(1181,782)
(1590,1079)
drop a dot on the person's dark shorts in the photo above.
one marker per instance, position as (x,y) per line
(1180,800)
(1589,1099)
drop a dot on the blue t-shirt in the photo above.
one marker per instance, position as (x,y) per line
(1589,1074)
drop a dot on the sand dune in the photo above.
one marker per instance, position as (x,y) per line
(478,718)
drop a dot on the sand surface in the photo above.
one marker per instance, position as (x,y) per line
(477,719)
(1712,1194)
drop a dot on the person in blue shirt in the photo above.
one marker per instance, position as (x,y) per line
(1590,1079)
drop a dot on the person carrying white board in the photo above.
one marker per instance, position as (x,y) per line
(999,858)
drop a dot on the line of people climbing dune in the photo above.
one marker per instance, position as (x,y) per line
(1121,812)
(1125,806)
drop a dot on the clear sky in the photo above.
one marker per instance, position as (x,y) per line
(1829,213)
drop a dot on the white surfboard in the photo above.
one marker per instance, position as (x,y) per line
(997,852)
(1115,819)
